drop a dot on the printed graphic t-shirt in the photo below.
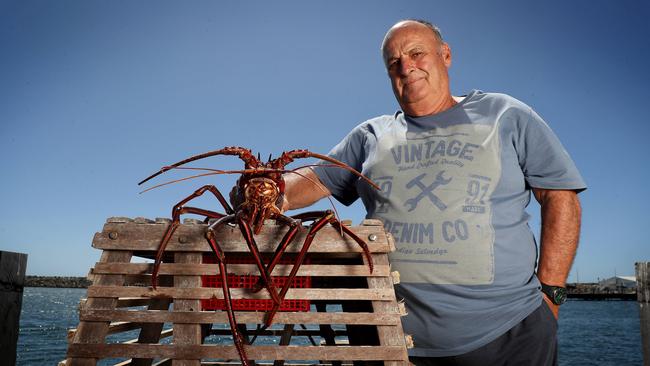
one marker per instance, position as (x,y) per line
(454,188)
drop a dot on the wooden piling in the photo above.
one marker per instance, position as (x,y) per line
(643,297)
(12,280)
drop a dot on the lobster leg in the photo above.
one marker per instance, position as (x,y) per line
(321,219)
(313,229)
(161,250)
(294,225)
(220,198)
(252,246)
(366,251)
(244,154)
(221,260)
(177,211)
(341,228)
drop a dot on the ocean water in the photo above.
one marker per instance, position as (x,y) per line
(598,333)
(46,316)
(601,333)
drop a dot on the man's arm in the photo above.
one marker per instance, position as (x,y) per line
(302,189)
(559,237)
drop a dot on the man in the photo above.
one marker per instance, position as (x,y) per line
(456,175)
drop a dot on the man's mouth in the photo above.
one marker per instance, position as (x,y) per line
(412,80)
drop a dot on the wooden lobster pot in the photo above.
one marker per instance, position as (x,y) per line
(353,315)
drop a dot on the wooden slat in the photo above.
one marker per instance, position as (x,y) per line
(388,336)
(187,334)
(121,326)
(279,332)
(360,353)
(191,238)
(164,334)
(126,302)
(294,363)
(151,332)
(325,270)
(208,317)
(379,294)
(285,340)
(95,332)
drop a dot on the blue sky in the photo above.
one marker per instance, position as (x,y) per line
(96,95)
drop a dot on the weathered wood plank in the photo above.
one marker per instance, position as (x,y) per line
(133,236)
(95,332)
(187,334)
(324,270)
(643,297)
(12,280)
(379,294)
(127,302)
(388,336)
(121,326)
(151,332)
(205,317)
(360,353)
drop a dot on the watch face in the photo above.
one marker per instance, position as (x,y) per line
(559,296)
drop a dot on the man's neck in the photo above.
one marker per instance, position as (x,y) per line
(419,110)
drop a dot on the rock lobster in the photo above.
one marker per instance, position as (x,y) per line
(261,193)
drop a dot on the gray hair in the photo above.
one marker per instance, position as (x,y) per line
(434,29)
(428,24)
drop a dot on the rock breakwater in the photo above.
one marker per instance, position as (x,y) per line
(56,281)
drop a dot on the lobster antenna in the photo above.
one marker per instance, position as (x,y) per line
(210,172)
(373,184)
(244,171)
(225,151)
(188,178)
(342,165)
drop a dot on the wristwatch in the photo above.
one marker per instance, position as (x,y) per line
(555,293)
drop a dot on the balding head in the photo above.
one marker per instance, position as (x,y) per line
(413,22)
(417,60)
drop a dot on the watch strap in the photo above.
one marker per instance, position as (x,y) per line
(552,292)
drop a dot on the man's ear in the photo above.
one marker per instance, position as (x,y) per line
(445,53)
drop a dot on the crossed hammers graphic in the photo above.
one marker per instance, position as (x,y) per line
(427,191)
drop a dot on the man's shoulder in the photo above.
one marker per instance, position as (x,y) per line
(383,119)
(501,100)
(379,123)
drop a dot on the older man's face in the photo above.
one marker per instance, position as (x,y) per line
(417,65)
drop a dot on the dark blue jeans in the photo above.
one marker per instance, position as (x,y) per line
(532,342)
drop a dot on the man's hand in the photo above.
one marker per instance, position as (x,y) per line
(554,308)
(559,237)
(236,196)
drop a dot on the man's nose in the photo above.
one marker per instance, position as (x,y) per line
(405,66)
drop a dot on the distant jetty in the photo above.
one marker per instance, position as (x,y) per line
(56,281)
(595,291)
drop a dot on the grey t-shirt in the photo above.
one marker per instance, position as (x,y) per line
(455,186)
